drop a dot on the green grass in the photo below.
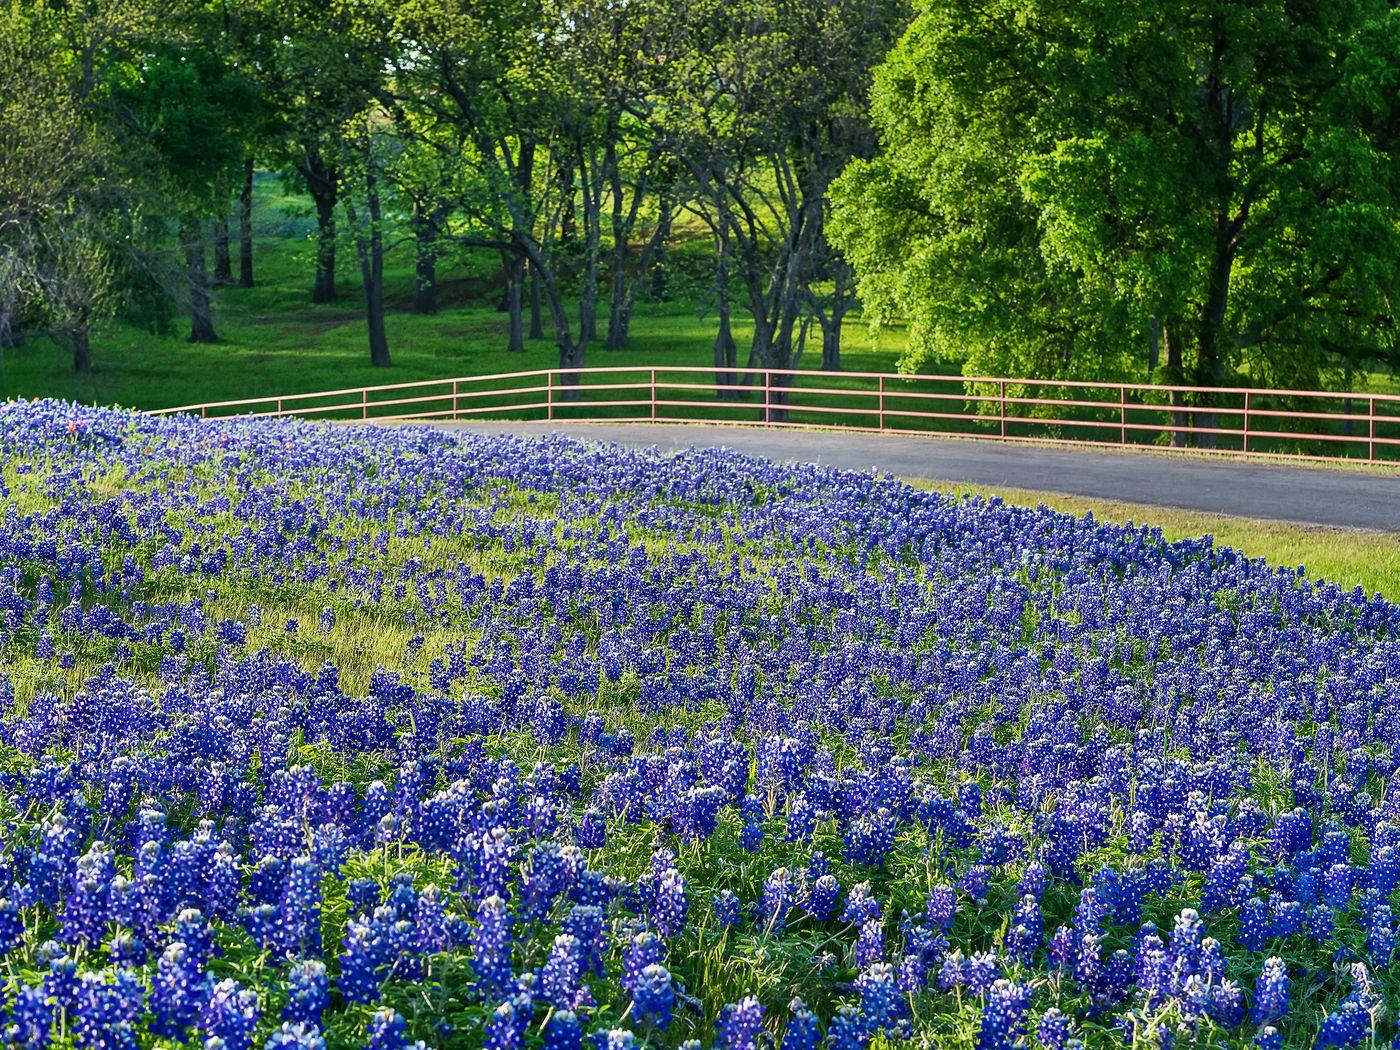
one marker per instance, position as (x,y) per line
(1350,557)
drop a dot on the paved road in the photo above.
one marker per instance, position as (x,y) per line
(1308,495)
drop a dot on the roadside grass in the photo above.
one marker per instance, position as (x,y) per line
(1349,557)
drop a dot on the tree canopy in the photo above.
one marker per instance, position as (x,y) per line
(1127,189)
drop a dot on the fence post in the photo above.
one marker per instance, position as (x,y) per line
(549,395)
(279,408)
(364,404)
(203,412)
(1246,420)
(767,396)
(456,408)
(1371,430)
(1122,415)
(1003,407)
(882,402)
(653,395)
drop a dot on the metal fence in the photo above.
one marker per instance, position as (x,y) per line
(1311,424)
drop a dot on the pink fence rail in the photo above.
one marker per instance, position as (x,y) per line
(1309,424)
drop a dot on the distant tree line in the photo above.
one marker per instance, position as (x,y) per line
(1172,191)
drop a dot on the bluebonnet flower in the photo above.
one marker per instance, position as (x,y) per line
(670,906)
(1053,1029)
(175,992)
(739,1025)
(307,988)
(1346,1026)
(491,944)
(870,943)
(881,1000)
(728,908)
(563,1031)
(505,1028)
(848,1030)
(653,997)
(1003,1015)
(803,1031)
(562,972)
(231,1014)
(645,950)
(388,1031)
(296,1037)
(31,1018)
(11,926)
(1271,992)
(823,897)
(615,1039)
(778,897)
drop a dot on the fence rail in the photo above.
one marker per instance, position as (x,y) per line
(1306,424)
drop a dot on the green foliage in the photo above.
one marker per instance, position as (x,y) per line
(1096,190)
(191,109)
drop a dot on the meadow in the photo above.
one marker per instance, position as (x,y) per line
(321,736)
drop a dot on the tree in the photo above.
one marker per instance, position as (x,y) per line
(192,110)
(318,69)
(362,199)
(1112,189)
(768,107)
(66,200)
(487,78)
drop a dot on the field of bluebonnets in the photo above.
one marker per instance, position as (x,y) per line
(325,736)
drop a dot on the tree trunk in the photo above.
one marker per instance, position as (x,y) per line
(592,219)
(245,227)
(657,291)
(831,347)
(1176,376)
(835,321)
(773,342)
(323,291)
(626,279)
(223,262)
(197,276)
(514,266)
(619,309)
(369,246)
(1210,359)
(568,223)
(82,351)
(726,353)
(322,183)
(536,315)
(425,231)
(571,351)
